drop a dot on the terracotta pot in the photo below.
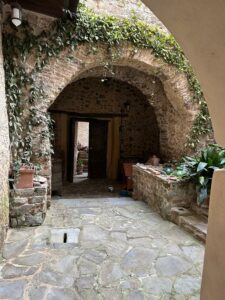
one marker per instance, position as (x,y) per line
(25,178)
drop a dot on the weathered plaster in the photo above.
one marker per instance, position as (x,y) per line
(4,151)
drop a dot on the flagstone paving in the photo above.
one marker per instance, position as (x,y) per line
(109,248)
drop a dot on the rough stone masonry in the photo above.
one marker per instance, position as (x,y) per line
(28,206)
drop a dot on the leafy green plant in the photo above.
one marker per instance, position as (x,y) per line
(80,163)
(200,169)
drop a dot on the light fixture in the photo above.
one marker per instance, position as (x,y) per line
(104,80)
(16,14)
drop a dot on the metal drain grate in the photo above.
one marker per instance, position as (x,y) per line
(64,236)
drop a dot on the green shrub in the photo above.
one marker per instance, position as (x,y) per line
(200,169)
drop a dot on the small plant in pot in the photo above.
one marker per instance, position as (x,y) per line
(200,170)
(23,175)
(80,166)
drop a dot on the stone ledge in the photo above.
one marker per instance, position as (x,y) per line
(196,225)
(166,179)
(161,193)
(191,221)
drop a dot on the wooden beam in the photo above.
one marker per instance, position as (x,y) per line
(52,8)
(89,115)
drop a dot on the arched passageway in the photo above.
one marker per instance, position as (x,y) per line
(131,134)
(165,90)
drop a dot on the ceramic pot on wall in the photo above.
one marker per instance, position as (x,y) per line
(25,178)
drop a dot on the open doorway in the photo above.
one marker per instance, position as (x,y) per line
(81,150)
(87,149)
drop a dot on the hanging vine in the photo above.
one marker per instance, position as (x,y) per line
(70,32)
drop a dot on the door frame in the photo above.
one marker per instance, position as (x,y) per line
(71,145)
(73,118)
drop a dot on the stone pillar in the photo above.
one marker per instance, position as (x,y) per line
(4,150)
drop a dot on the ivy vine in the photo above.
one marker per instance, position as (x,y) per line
(69,32)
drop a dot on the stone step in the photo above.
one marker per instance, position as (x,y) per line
(82,155)
(85,160)
(191,221)
(196,225)
(202,211)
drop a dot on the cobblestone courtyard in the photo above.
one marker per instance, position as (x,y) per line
(107,248)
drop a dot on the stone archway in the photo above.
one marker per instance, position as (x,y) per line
(174,119)
(133,133)
(71,66)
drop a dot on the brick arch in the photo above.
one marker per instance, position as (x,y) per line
(138,70)
(69,66)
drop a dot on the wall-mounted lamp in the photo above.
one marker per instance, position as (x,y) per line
(16,14)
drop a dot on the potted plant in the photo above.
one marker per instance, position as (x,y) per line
(80,166)
(200,170)
(24,175)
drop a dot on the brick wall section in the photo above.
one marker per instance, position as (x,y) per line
(174,118)
(4,151)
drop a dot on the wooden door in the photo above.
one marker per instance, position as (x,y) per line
(98,131)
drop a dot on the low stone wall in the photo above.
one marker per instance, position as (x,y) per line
(28,206)
(160,192)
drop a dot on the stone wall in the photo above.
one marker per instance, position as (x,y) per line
(83,133)
(4,151)
(160,192)
(117,8)
(28,206)
(124,9)
(139,130)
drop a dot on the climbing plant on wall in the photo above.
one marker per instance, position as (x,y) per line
(70,32)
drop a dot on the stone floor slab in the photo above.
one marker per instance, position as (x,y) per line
(123,250)
(13,290)
(172,265)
